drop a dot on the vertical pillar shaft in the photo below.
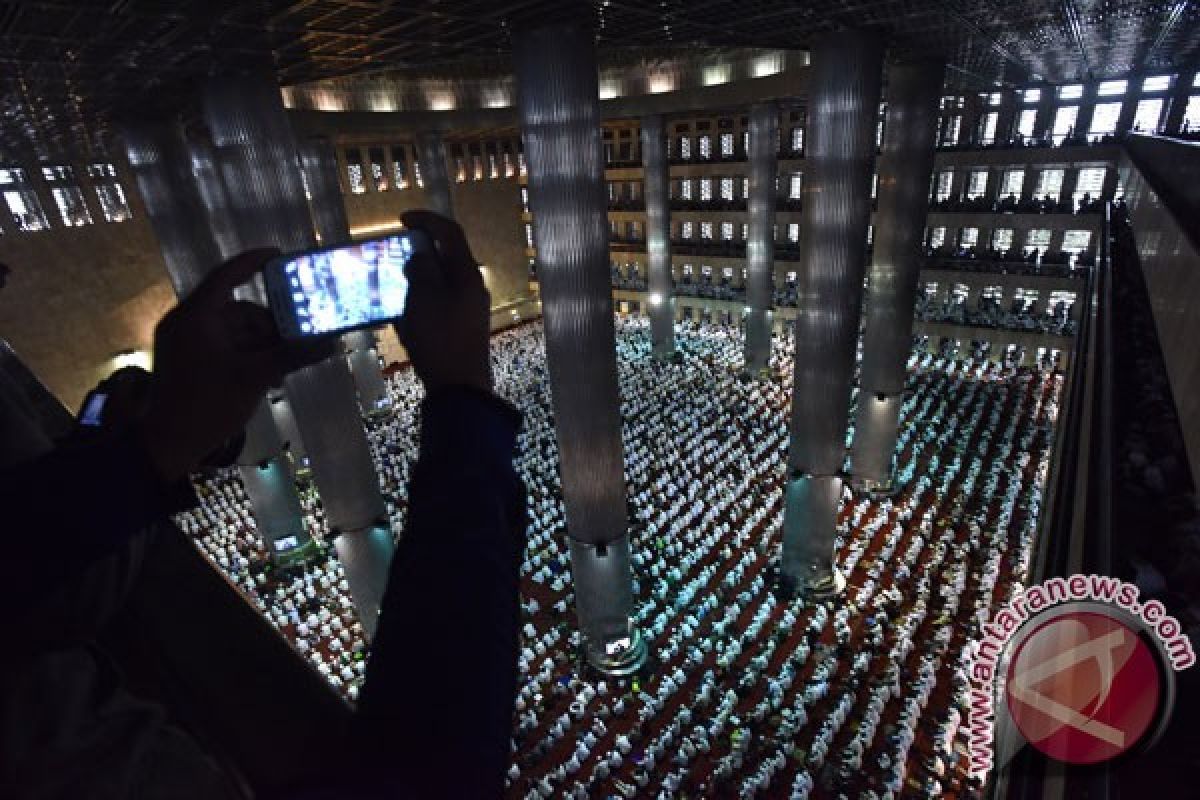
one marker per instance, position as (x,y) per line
(163,167)
(431,153)
(760,242)
(560,122)
(843,108)
(256,151)
(904,169)
(658,235)
(318,160)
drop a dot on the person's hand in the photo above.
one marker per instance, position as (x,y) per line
(214,358)
(445,326)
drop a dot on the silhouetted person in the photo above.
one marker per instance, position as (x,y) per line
(452,596)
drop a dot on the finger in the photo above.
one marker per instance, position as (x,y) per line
(448,238)
(249,326)
(221,282)
(424,274)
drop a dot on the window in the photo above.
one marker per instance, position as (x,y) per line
(706,147)
(727,273)
(688,269)
(746,186)
(1156,83)
(706,187)
(977,180)
(1026,122)
(746,141)
(355,178)
(1090,183)
(685,230)
(1112,88)
(1191,114)
(727,231)
(795,185)
(476,162)
(745,231)
(945,179)
(874,185)
(706,230)
(417,174)
(379,177)
(988,128)
(506,160)
(400,167)
(109,192)
(1064,122)
(1072,91)
(1075,242)
(460,164)
(1104,119)
(493,163)
(727,188)
(67,195)
(22,201)
(685,189)
(528,235)
(1031,96)
(1147,115)
(968,237)
(726,145)
(1013,183)
(685,148)
(797,139)
(706,270)
(1002,239)
(1038,239)
(870,235)
(950,130)
(525,199)
(937,237)
(1049,183)
(793,232)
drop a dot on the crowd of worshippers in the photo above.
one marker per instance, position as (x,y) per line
(1048,204)
(1037,260)
(1071,138)
(750,691)
(1020,314)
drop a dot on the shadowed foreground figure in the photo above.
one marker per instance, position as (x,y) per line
(434,715)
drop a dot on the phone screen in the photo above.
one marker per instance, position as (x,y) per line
(93,410)
(347,287)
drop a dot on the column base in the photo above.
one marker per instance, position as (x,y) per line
(618,658)
(818,588)
(873,488)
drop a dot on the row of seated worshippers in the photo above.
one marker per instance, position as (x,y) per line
(750,692)
(988,312)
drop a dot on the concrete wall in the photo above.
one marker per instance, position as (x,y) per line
(78,296)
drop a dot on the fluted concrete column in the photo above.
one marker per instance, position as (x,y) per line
(165,171)
(362,353)
(560,123)
(844,88)
(904,169)
(318,160)
(656,192)
(256,151)
(285,423)
(431,154)
(760,239)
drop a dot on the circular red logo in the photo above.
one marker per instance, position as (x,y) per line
(1083,687)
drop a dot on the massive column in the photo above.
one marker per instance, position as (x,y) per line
(843,108)
(318,160)
(431,155)
(760,240)
(164,169)
(656,193)
(256,152)
(560,121)
(904,169)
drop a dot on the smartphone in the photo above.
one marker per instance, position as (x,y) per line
(332,290)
